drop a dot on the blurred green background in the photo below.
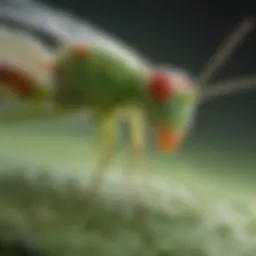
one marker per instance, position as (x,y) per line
(221,146)
(71,144)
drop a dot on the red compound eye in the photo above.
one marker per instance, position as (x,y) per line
(161,87)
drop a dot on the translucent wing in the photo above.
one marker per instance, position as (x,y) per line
(18,48)
(62,28)
(65,28)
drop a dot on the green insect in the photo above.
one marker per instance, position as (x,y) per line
(96,79)
(90,76)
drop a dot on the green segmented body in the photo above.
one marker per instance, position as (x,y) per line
(99,80)
(102,80)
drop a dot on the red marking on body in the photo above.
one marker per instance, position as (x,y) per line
(81,52)
(54,67)
(51,66)
(16,80)
(161,87)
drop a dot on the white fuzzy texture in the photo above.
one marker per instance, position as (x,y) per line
(176,219)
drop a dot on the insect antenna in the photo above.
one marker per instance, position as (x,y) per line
(224,52)
(230,86)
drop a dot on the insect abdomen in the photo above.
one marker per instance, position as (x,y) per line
(96,78)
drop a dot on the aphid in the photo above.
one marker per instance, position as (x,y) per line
(94,73)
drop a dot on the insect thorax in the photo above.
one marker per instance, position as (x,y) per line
(96,80)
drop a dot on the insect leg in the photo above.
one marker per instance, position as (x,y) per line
(136,161)
(109,128)
(138,143)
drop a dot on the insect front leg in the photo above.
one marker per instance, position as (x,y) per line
(109,129)
(136,161)
(138,143)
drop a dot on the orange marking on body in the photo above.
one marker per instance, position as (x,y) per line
(81,51)
(16,80)
(167,140)
(53,67)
